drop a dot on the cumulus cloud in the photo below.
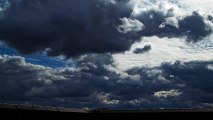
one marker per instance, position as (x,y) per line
(210,66)
(66,27)
(165,50)
(71,28)
(165,94)
(168,30)
(189,83)
(165,25)
(129,25)
(87,82)
(170,21)
(169,85)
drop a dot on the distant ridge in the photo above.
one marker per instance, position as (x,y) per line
(21,107)
(39,108)
(28,112)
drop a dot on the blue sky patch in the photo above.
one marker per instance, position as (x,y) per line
(39,58)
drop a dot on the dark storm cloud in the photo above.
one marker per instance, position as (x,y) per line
(196,75)
(142,50)
(77,27)
(16,77)
(91,82)
(66,27)
(192,26)
(100,84)
(193,80)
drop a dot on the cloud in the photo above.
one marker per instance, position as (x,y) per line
(71,28)
(165,50)
(66,27)
(166,25)
(179,84)
(4,4)
(87,82)
(210,66)
(176,72)
(171,19)
(130,25)
(191,5)
(17,77)
(165,94)
(146,48)
(101,84)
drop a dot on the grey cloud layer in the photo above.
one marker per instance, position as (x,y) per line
(157,22)
(77,27)
(100,84)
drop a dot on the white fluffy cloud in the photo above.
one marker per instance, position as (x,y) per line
(165,94)
(210,66)
(129,25)
(179,7)
(168,49)
(204,6)
(165,50)
(170,21)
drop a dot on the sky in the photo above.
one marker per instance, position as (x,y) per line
(116,54)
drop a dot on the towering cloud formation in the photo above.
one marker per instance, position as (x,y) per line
(164,24)
(77,27)
(66,27)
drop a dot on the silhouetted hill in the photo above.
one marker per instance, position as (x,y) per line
(32,111)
